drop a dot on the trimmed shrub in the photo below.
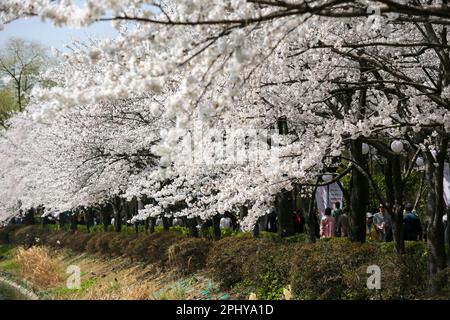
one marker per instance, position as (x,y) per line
(267,270)
(102,243)
(77,241)
(57,239)
(322,270)
(28,235)
(188,255)
(159,243)
(118,244)
(227,256)
(337,269)
(152,248)
(6,233)
(91,244)
(137,248)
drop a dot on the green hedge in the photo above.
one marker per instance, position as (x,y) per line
(328,269)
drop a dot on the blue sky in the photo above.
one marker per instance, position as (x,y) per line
(51,36)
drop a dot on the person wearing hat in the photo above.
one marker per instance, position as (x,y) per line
(412,228)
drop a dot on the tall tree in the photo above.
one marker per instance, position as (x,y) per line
(21,64)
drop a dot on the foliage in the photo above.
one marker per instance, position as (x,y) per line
(7,105)
(328,269)
(5,233)
(227,257)
(188,255)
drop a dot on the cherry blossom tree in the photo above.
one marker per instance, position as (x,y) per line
(179,108)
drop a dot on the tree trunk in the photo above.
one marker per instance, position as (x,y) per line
(73,222)
(106,219)
(256,228)
(152,222)
(192,226)
(435,210)
(285,209)
(311,217)
(126,209)
(89,219)
(397,221)
(243,211)
(61,218)
(29,217)
(359,197)
(447,230)
(216,227)
(203,228)
(166,223)
(117,209)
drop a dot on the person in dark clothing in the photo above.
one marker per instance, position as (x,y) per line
(272,221)
(316,224)
(411,224)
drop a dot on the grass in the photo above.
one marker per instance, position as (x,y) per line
(176,292)
(66,293)
(38,266)
(7,261)
(118,278)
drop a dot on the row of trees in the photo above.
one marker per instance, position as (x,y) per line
(205,108)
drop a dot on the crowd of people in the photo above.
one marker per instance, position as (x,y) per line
(336,223)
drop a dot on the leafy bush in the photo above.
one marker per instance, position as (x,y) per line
(91,244)
(337,269)
(152,248)
(28,235)
(322,270)
(227,256)
(188,255)
(6,233)
(159,243)
(328,269)
(137,248)
(267,270)
(77,241)
(118,244)
(58,238)
(102,244)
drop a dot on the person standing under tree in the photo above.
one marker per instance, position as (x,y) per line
(411,224)
(336,214)
(383,222)
(327,224)
(343,225)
